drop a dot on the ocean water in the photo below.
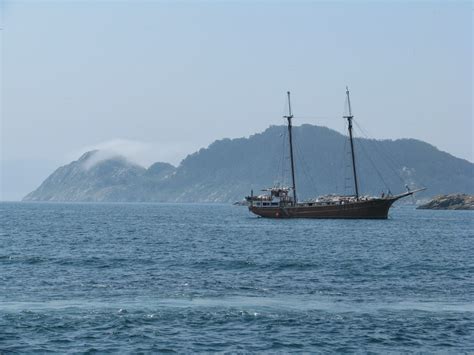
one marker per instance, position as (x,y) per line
(204,278)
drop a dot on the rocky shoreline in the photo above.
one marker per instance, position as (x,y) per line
(450,202)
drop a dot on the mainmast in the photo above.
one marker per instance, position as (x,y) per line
(289,117)
(349,122)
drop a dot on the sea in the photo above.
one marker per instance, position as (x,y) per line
(188,278)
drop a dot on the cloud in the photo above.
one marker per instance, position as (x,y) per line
(138,152)
(133,151)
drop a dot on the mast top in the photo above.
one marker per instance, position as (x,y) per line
(350,116)
(290,114)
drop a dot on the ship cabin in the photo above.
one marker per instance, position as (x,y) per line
(275,197)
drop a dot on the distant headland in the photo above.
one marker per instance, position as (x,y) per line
(450,202)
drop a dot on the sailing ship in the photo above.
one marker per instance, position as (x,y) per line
(282,202)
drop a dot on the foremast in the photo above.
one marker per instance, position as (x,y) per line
(290,137)
(349,123)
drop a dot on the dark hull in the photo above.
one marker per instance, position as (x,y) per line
(372,209)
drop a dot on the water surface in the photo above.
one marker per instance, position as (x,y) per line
(165,277)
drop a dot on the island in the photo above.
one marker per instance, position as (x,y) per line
(450,202)
(226,170)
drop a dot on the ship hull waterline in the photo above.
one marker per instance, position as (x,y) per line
(372,209)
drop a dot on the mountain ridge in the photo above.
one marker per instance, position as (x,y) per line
(228,169)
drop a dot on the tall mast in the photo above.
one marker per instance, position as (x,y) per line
(289,117)
(349,122)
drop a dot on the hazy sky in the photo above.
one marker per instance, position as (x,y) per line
(162,79)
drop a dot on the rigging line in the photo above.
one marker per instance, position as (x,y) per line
(391,158)
(283,158)
(316,118)
(389,161)
(343,166)
(344,157)
(374,166)
(378,172)
(305,170)
(281,161)
(305,167)
(347,162)
(345,153)
(360,177)
(355,168)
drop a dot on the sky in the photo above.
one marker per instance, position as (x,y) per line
(157,80)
